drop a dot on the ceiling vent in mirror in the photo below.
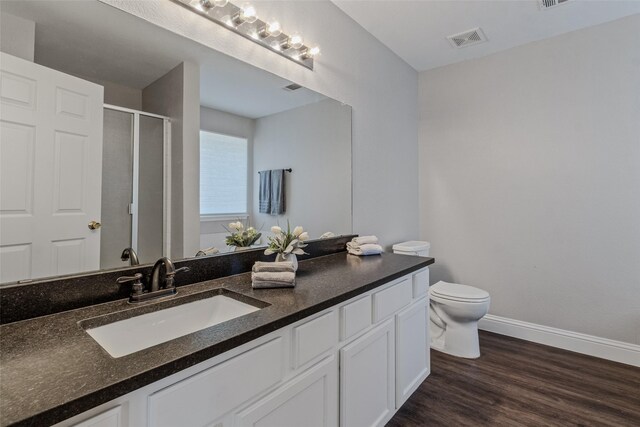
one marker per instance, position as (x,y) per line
(547,4)
(467,38)
(292,87)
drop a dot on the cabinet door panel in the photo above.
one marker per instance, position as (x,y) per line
(367,378)
(309,400)
(412,349)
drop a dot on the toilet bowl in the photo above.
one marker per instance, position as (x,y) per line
(455,311)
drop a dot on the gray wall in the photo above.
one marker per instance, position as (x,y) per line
(530,179)
(354,68)
(177,95)
(120,95)
(17,36)
(315,141)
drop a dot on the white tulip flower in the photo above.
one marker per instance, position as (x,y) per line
(297,231)
(303,236)
(276,230)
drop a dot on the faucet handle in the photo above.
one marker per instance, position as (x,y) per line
(137,287)
(170,276)
(181,269)
(124,279)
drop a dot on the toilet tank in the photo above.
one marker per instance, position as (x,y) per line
(413,247)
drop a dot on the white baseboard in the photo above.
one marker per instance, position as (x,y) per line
(617,351)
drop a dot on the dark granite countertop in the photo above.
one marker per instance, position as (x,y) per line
(51,369)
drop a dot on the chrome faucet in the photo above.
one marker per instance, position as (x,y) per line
(131,255)
(160,281)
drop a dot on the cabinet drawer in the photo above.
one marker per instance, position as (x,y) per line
(392,299)
(420,283)
(355,317)
(314,338)
(110,418)
(205,397)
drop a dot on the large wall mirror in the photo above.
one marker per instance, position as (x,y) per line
(122,140)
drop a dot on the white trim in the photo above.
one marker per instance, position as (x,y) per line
(223,217)
(166,186)
(604,348)
(129,110)
(135,218)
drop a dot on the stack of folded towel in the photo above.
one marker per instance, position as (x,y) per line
(364,245)
(273,275)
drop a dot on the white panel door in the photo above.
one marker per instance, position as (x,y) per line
(367,378)
(309,400)
(51,171)
(412,349)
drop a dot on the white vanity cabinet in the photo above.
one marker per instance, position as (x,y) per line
(352,365)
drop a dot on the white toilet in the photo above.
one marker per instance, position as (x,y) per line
(455,311)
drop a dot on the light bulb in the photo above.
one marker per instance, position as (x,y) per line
(295,41)
(249,14)
(270,29)
(274,28)
(310,52)
(246,14)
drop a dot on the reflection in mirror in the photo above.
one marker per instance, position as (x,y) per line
(123,142)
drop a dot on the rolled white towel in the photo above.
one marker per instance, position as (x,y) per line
(208,251)
(365,240)
(366,249)
(260,266)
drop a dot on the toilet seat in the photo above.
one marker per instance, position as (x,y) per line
(456,292)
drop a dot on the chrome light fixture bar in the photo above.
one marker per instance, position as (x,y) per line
(245,22)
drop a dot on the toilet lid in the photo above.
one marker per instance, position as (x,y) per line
(458,292)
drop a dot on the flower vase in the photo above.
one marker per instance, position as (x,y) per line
(291,257)
(241,248)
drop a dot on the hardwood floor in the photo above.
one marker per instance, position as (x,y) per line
(519,383)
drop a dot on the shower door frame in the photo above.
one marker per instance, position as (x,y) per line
(166,176)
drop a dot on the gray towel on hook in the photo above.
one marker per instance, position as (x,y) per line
(277,192)
(264,198)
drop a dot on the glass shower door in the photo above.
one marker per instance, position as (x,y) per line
(134,186)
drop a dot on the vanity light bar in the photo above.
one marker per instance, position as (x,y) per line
(244,21)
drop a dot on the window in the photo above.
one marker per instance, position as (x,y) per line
(223,175)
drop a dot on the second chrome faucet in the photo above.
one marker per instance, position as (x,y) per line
(160,283)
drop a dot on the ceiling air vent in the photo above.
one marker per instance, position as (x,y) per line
(292,87)
(547,4)
(467,38)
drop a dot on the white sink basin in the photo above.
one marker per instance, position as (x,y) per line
(140,332)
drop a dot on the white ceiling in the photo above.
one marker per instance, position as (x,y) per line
(417,30)
(91,39)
